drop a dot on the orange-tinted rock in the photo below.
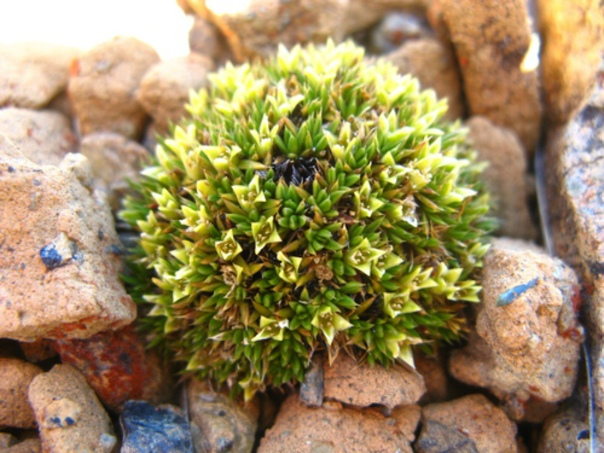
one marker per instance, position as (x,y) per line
(333,429)
(103,84)
(505,175)
(32,74)
(478,419)
(491,39)
(348,381)
(435,67)
(15,377)
(528,337)
(573,41)
(68,413)
(165,88)
(44,137)
(117,366)
(59,273)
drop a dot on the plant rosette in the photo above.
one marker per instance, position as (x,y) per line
(313,202)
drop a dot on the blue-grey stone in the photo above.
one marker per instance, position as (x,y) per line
(149,429)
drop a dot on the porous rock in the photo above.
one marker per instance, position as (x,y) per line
(30,445)
(15,377)
(575,199)
(490,51)
(346,381)
(475,417)
(434,66)
(32,74)
(332,429)
(224,424)
(505,176)
(154,429)
(58,269)
(115,161)
(44,137)
(528,338)
(566,430)
(103,85)
(165,88)
(68,413)
(118,366)
(573,41)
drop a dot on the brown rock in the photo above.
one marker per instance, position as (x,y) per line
(566,430)
(206,39)
(58,270)
(165,88)
(68,413)
(39,350)
(407,419)
(31,74)
(332,429)
(573,158)
(490,51)
(476,418)
(573,41)
(103,86)
(505,176)
(15,377)
(118,366)
(31,445)
(44,137)
(224,424)
(115,160)
(255,28)
(347,381)
(527,339)
(433,371)
(434,66)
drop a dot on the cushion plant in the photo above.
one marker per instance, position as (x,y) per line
(312,202)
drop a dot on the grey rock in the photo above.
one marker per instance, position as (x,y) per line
(44,137)
(68,413)
(225,425)
(32,74)
(103,86)
(575,197)
(115,161)
(397,27)
(436,437)
(311,390)
(149,429)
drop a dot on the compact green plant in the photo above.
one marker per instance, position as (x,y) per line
(310,203)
